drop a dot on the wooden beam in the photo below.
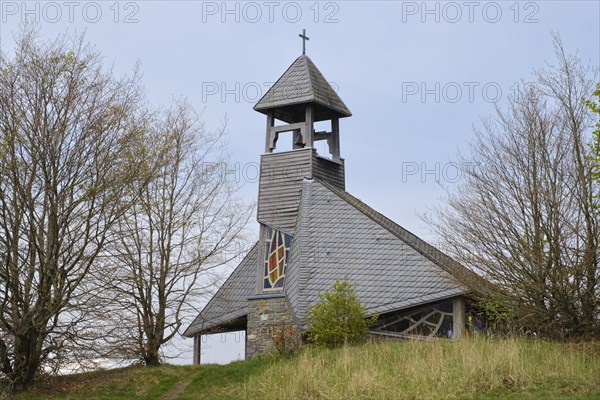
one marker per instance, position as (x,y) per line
(334,140)
(309,121)
(458,318)
(322,135)
(287,128)
(268,141)
(197,349)
(298,140)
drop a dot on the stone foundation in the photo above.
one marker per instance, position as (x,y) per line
(264,312)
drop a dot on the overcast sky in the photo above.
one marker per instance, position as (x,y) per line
(417,76)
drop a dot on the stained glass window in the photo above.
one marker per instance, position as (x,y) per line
(277,247)
(435,320)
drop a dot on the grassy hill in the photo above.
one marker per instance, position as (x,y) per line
(467,369)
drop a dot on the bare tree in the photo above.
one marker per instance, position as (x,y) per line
(595,146)
(524,216)
(67,162)
(187,222)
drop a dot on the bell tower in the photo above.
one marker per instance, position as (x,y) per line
(300,98)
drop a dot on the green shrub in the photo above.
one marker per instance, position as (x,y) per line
(499,316)
(338,317)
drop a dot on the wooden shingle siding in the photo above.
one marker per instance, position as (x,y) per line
(281,176)
(329,171)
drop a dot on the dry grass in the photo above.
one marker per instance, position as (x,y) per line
(433,370)
(466,369)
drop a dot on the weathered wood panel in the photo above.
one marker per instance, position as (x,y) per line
(329,171)
(281,176)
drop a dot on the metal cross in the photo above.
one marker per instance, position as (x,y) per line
(304,39)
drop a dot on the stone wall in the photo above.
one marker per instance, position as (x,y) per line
(264,312)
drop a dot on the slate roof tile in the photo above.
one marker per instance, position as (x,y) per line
(301,83)
(337,235)
(231,300)
(387,273)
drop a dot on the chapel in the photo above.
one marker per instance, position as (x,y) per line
(312,232)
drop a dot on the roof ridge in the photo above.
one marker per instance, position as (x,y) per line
(464,275)
(307,60)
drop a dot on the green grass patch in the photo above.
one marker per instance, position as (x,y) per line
(465,370)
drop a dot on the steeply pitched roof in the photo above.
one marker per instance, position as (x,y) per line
(337,235)
(230,303)
(301,83)
(463,275)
